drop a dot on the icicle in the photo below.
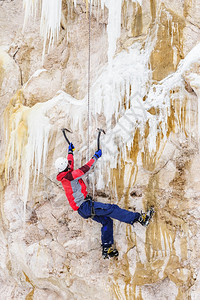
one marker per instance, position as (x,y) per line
(114,25)
(50,21)
(189,117)
(172,33)
(31,8)
(152,135)
(175,55)
(50,18)
(138,1)
(32,142)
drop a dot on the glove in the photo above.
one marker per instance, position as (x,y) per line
(98,154)
(71,148)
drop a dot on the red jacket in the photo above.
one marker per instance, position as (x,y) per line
(74,186)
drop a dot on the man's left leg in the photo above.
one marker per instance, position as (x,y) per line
(106,229)
(85,211)
(106,236)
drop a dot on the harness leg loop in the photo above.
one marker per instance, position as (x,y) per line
(92,210)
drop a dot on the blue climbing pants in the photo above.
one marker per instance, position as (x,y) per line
(103,214)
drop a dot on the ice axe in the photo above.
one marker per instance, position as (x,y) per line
(98,137)
(65,136)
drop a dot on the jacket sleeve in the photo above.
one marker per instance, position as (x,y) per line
(70,159)
(77,174)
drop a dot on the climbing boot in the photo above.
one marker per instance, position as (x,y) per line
(109,251)
(145,218)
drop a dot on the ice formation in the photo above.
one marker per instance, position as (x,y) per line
(118,96)
(51,18)
(30,136)
(123,94)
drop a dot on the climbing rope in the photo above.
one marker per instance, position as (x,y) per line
(88,100)
(89,50)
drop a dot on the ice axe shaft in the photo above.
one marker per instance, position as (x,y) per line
(98,137)
(65,136)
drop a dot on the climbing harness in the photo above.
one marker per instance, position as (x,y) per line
(92,209)
(89,198)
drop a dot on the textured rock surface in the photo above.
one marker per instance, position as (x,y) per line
(10,79)
(48,251)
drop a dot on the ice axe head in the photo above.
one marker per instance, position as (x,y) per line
(98,137)
(63,131)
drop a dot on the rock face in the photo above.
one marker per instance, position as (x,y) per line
(147,100)
(10,79)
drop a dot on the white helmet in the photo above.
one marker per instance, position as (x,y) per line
(61,164)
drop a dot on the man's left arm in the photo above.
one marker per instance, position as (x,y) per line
(70,156)
(77,174)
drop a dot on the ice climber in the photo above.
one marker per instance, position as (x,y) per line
(79,200)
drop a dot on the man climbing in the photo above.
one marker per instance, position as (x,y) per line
(79,200)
